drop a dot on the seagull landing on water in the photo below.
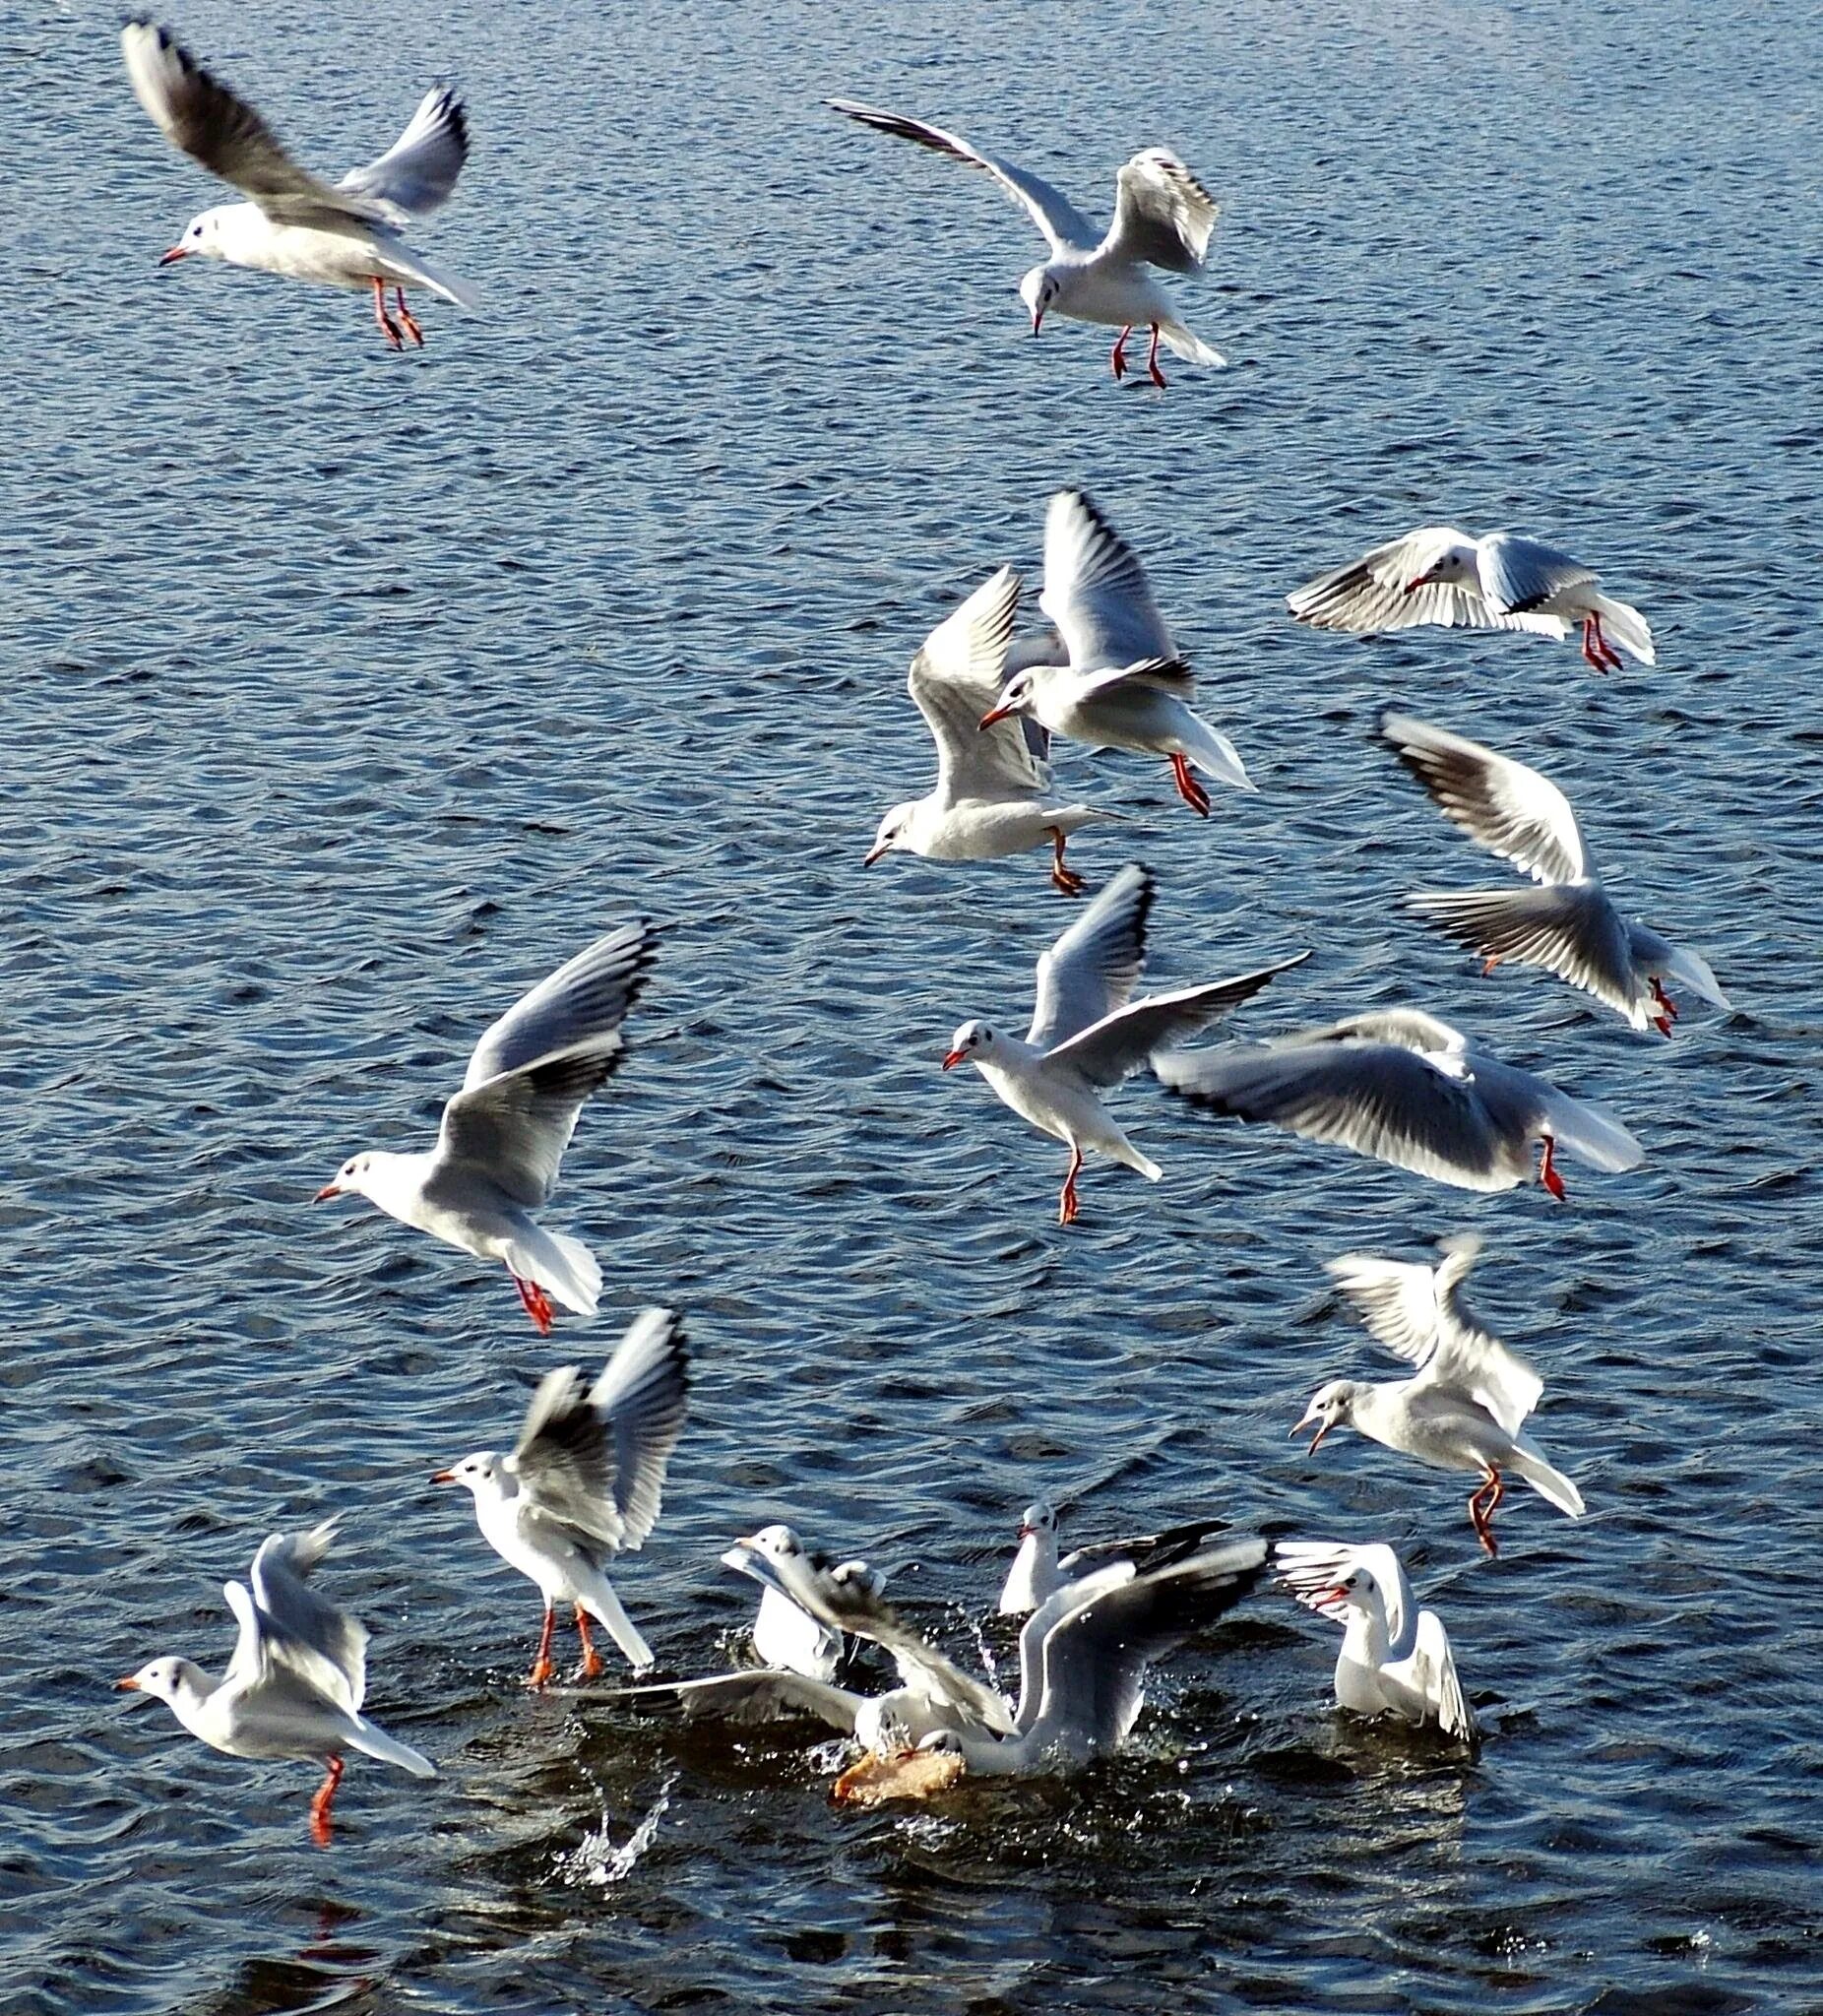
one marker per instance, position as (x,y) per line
(1037,1573)
(1395,1658)
(294,1686)
(1112,679)
(1163,216)
(1568,925)
(347,236)
(504,1133)
(1088,1034)
(993,787)
(584,1483)
(1466,1406)
(1503,582)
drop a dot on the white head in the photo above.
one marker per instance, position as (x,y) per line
(1039,1518)
(484,1473)
(1331,1407)
(204,236)
(381,1176)
(351,1180)
(777,1542)
(1018,696)
(973,1044)
(894,833)
(167,1680)
(1038,289)
(1442,557)
(857,1575)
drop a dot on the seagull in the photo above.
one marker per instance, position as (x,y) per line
(1405,1088)
(1567,924)
(1084,1652)
(1500,582)
(787,1637)
(1396,1658)
(295,1685)
(993,792)
(346,236)
(1465,1407)
(504,1133)
(1163,216)
(584,1481)
(1114,680)
(1088,1034)
(1037,1573)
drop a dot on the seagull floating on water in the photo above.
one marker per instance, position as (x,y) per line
(1088,1034)
(1163,216)
(1113,678)
(1037,1573)
(1465,1407)
(993,789)
(504,1133)
(347,236)
(1567,924)
(294,1686)
(1394,1658)
(1501,582)
(584,1483)
(1406,1089)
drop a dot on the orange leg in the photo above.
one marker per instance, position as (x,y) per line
(1065,879)
(1066,1204)
(388,326)
(408,318)
(542,1670)
(320,1805)
(1192,793)
(1481,1508)
(1152,362)
(538,1304)
(1488,970)
(1117,356)
(592,1662)
(1548,1171)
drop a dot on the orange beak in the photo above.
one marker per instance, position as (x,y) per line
(1323,1429)
(128,1686)
(998,714)
(953,1058)
(328,1191)
(875,854)
(171,257)
(443,1476)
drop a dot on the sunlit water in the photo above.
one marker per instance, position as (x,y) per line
(345,694)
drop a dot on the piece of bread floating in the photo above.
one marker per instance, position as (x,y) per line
(911,1775)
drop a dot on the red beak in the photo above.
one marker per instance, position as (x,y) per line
(873,854)
(1037,320)
(328,1191)
(998,714)
(443,1476)
(128,1686)
(953,1058)
(1412,587)
(1323,1429)
(171,257)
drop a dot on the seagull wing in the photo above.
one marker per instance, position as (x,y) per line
(1433,1674)
(1502,805)
(303,1632)
(1063,228)
(416,174)
(1162,214)
(1518,573)
(1095,589)
(1371,594)
(225,134)
(956,679)
(535,1068)
(1122,1042)
(1091,972)
(766,1694)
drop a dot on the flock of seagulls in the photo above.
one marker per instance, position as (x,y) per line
(584,1480)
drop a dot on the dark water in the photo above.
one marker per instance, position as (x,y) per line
(345,694)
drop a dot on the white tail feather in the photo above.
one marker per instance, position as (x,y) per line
(375,1742)
(603,1606)
(1547,1482)
(1181,344)
(1623,625)
(562,1266)
(1212,753)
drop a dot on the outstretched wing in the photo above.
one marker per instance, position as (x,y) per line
(1053,213)
(1162,214)
(1374,594)
(202,116)
(1095,590)
(765,1695)
(535,1068)
(1093,967)
(1518,573)
(1433,1673)
(956,679)
(416,174)
(1502,805)
(1120,1043)
(302,1631)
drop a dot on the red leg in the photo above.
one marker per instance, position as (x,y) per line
(1065,879)
(592,1662)
(1117,356)
(1548,1171)
(1488,1496)
(542,1670)
(320,1805)
(538,1304)
(1152,362)
(388,326)
(1668,1008)
(1192,793)
(1066,1204)
(1488,970)
(408,318)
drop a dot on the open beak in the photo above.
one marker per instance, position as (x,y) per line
(171,257)
(128,1686)
(953,1058)
(876,854)
(443,1476)
(1412,587)
(998,714)
(328,1191)
(1323,1429)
